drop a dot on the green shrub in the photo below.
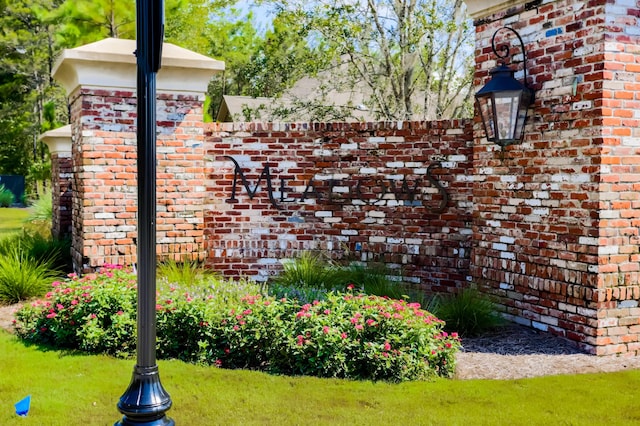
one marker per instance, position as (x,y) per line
(6,197)
(375,279)
(311,274)
(182,274)
(468,312)
(96,313)
(346,335)
(40,248)
(41,210)
(308,270)
(22,278)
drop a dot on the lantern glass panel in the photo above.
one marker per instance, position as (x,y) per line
(506,114)
(485,105)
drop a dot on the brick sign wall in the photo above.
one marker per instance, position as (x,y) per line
(398,193)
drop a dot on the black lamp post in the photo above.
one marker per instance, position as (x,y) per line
(145,401)
(503,102)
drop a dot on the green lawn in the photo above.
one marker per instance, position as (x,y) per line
(12,220)
(69,389)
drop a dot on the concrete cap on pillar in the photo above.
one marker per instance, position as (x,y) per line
(482,8)
(58,140)
(111,63)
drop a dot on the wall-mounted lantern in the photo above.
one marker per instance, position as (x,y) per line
(503,102)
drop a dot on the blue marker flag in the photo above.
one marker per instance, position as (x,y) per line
(22,407)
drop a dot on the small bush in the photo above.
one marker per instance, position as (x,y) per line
(96,313)
(310,273)
(6,197)
(182,274)
(40,248)
(468,312)
(308,270)
(346,335)
(22,278)
(41,210)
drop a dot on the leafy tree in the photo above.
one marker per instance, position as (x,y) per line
(413,56)
(28,51)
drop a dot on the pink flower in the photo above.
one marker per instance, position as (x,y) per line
(454,335)
(447,345)
(246,312)
(52,315)
(371,322)
(384,354)
(299,339)
(92,316)
(119,313)
(325,329)
(387,346)
(354,320)
(326,311)
(159,307)
(218,362)
(343,335)
(350,287)
(306,307)
(359,327)
(74,302)
(267,303)
(49,295)
(236,328)
(60,306)
(55,284)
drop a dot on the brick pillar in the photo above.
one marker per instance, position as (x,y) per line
(59,143)
(556,217)
(100,79)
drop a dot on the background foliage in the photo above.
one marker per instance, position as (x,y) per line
(412,58)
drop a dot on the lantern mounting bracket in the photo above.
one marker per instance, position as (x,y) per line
(503,51)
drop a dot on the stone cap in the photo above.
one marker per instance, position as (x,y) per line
(58,140)
(111,63)
(483,8)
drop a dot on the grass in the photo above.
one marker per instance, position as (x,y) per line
(72,389)
(12,220)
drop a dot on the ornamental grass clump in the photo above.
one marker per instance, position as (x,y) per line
(346,335)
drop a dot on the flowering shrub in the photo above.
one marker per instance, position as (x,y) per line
(95,313)
(344,335)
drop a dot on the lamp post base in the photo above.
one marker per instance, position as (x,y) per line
(145,402)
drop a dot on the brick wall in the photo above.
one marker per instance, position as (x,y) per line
(62,173)
(556,218)
(358,191)
(105,184)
